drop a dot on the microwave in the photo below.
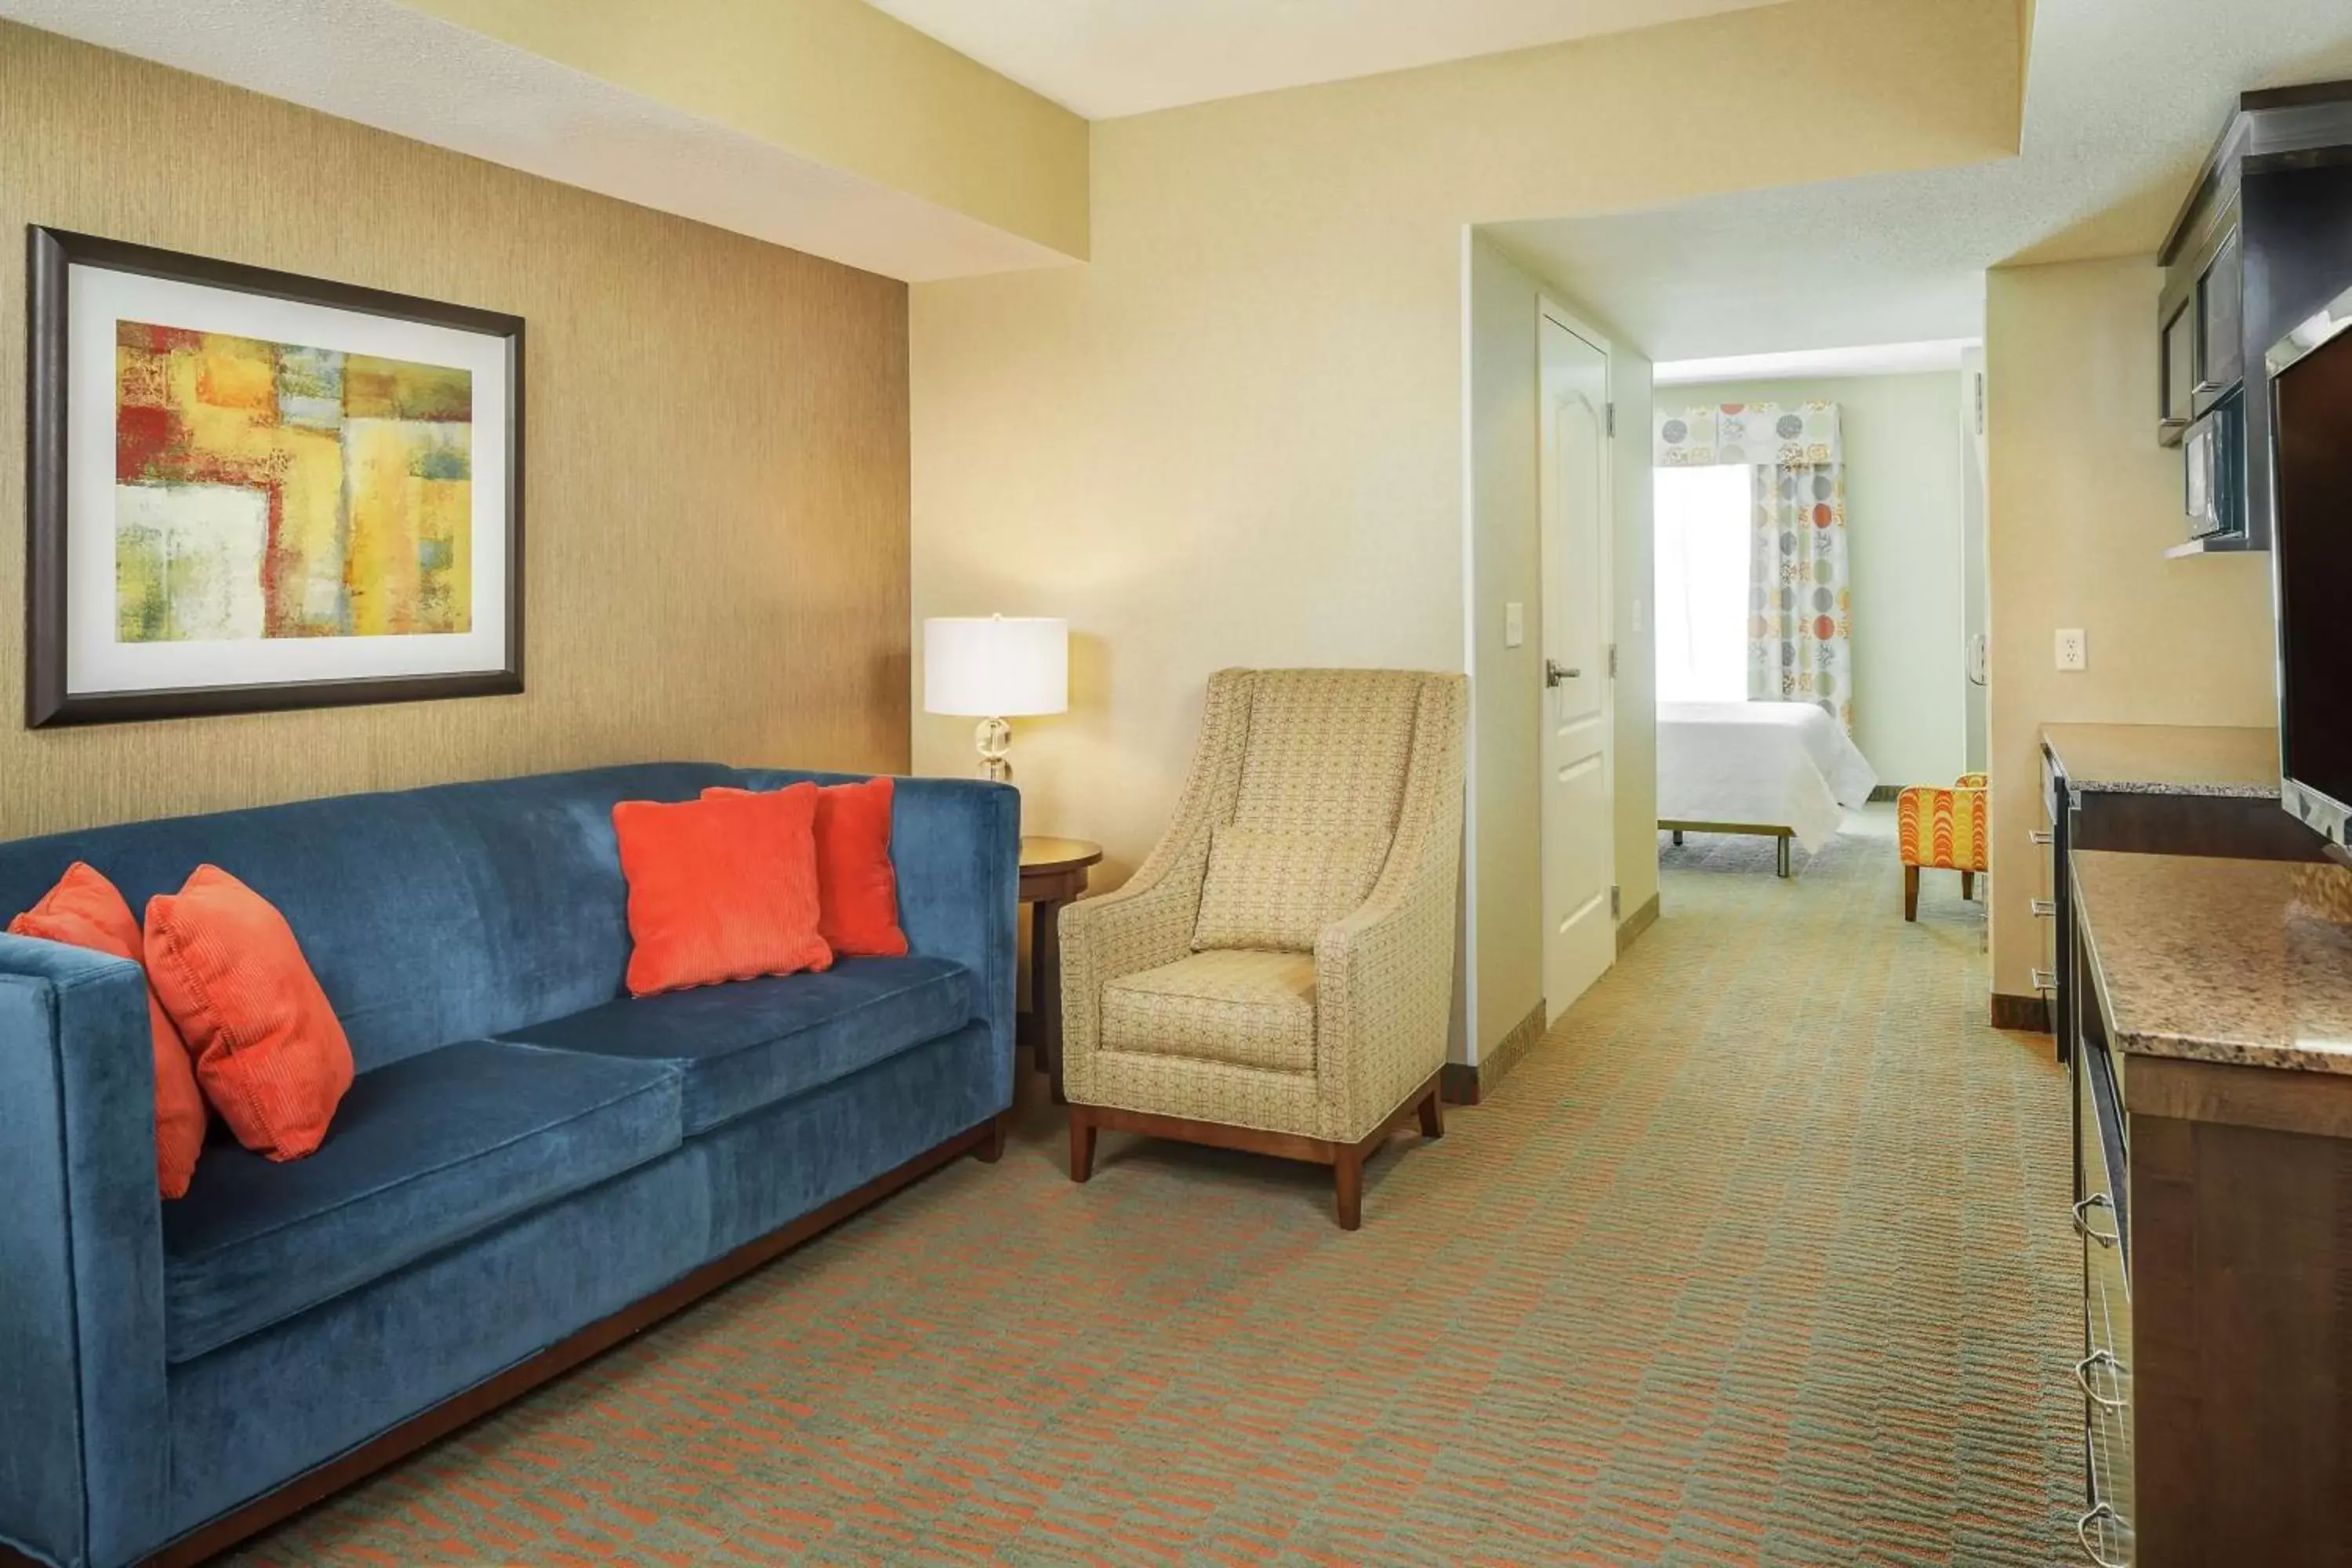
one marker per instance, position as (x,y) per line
(2214,493)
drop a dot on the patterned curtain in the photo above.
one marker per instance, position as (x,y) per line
(1800,631)
(1799,647)
(1746,433)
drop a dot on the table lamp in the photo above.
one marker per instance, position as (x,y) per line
(995,667)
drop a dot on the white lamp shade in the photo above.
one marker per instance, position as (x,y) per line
(996,666)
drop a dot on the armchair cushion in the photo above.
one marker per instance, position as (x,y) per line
(1247,1009)
(1277,891)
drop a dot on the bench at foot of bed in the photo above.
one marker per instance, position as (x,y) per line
(1782,836)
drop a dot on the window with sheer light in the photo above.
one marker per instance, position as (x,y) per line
(1702,582)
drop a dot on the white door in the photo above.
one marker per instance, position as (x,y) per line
(1578,712)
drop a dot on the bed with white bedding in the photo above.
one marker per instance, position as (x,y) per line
(1785,768)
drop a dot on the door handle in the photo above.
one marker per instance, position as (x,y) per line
(1554,673)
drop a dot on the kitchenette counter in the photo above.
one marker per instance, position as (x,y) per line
(2167,759)
(2212,1201)
(2247,963)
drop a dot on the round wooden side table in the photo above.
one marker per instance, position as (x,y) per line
(1052,872)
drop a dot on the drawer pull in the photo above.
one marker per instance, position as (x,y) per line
(2082,1223)
(2043,980)
(2044,908)
(2100,1515)
(2037,835)
(2083,1379)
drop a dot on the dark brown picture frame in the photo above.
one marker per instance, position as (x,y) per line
(50,253)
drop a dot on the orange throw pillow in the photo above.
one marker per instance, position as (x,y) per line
(85,910)
(721,889)
(271,1053)
(856,885)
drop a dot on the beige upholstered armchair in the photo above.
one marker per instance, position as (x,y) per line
(1279,975)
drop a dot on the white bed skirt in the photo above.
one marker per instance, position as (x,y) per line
(1762,765)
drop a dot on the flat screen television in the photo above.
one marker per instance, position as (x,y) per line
(2311,457)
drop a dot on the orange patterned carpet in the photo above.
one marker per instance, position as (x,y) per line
(1753,1260)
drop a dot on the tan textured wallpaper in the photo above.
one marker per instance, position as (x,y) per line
(715,450)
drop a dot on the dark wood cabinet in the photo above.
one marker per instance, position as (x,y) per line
(2213,1210)
(2221,317)
(2181,337)
(2264,239)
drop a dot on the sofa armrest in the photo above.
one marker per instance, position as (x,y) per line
(1384,975)
(956,846)
(84,1451)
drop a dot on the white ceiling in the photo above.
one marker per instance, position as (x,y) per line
(1108,58)
(400,70)
(2123,100)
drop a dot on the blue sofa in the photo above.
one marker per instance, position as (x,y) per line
(530,1164)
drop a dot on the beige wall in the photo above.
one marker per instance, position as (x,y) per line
(1635,567)
(1507,683)
(836,80)
(1237,436)
(2082,505)
(1904,495)
(717,457)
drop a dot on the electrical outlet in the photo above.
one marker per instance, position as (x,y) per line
(1514,624)
(2074,649)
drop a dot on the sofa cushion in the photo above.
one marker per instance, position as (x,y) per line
(508,894)
(1249,1009)
(754,1042)
(423,1151)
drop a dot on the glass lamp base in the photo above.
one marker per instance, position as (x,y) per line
(993,738)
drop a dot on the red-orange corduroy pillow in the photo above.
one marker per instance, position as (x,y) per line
(271,1053)
(856,885)
(721,889)
(85,910)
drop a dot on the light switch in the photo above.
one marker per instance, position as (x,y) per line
(2074,649)
(1514,624)
(1637,616)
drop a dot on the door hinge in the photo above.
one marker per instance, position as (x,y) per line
(1616,899)
(1612,418)
(1613,661)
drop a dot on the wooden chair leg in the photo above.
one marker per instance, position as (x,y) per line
(1347,1177)
(1082,1146)
(1433,1117)
(1967,884)
(1910,893)
(992,1148)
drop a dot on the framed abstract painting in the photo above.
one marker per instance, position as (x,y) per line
(251,490)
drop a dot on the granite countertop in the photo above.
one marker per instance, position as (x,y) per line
(2244,962)
(2168,759)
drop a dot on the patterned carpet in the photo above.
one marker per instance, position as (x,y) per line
(1753,1260)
